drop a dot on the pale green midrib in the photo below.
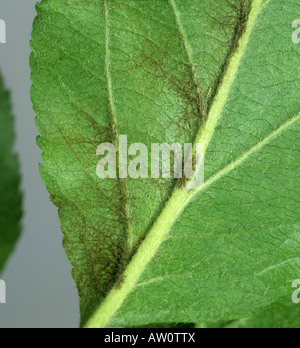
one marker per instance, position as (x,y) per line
(221,97)
(115,133)
(180,198)
(189,53)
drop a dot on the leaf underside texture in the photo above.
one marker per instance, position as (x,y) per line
(222,73)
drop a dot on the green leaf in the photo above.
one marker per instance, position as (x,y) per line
(10,197)
(282,315)
(222,74)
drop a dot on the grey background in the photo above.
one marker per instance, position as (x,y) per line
(40,289)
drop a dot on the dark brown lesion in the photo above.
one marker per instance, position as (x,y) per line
(155,63)
(242,9)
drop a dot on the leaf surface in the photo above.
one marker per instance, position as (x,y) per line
(172,71)
(281,315)
(10,197)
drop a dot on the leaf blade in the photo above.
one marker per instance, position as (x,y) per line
(282,315)
(10,197)
(66,98)
(132,53)
(136,303)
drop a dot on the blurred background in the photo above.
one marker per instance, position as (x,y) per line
(40,288)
